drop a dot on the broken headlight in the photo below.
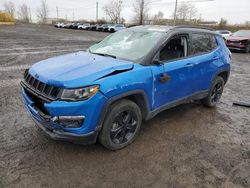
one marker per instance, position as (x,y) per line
(79,94)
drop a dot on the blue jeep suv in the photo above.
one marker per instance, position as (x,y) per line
(130,76)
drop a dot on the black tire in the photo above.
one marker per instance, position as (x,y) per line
(247,49)
(116,133)
(215,93)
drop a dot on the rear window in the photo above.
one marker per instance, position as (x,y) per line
(203,43)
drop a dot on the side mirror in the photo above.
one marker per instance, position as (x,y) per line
(157,62)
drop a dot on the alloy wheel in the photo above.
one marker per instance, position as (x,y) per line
(217,92)
(123,127)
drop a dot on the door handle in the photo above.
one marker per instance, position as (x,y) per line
(164,78)
(215,58)
(189,65)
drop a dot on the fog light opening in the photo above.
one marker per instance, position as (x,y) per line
(69,121)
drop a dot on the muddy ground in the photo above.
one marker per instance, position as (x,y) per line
(187,146)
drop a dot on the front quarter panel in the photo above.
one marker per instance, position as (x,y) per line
(140,78)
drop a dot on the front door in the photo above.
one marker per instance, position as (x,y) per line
(173,75)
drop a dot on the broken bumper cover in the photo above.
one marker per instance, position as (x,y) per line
(86,134)
(55,134)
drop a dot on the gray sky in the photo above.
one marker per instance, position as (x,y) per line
(235,11)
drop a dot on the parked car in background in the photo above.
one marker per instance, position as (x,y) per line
(75,25)
(99,27)
(85,26)
(93,27)
(62,25)
(105,27)
(59,25)
(116,27)
(130,76)
(67,26)
(239,40)
(56,25)
(224,33)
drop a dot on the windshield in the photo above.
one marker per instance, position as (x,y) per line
(242,33)
(127,44)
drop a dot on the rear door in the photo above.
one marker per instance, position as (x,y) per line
(205,57)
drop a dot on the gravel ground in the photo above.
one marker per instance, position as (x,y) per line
(187,146)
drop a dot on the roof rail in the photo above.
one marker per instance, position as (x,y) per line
(192,26)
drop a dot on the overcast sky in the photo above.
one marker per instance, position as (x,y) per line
(235,11)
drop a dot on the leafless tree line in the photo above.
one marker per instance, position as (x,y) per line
(185,11)
(23,12)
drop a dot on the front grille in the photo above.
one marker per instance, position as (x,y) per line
(38,102)
(41,88)
(233,41)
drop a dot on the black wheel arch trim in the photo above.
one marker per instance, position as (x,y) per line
(115,98)
(220,72)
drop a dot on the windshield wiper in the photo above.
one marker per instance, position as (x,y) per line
(102,54)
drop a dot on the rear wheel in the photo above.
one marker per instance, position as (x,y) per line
(121,125)
(215,93)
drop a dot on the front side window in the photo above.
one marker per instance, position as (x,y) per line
(128,44)
(175,48)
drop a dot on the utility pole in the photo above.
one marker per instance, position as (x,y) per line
(73,15)
(57,13)
(30,15)
(96,11)
(175,12)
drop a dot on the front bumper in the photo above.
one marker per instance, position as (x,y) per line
(238,47)
(55,134)
(90,109)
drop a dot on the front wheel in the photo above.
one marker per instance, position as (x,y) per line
(121,125)
(215,93)
(247,49)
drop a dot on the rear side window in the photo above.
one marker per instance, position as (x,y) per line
(214,43)
(203,43)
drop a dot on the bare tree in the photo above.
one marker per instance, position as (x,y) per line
(186,11)
(113,10)
(141,8)
(42,12)
(222,23)
(23,13)
(158,18)
(10,8)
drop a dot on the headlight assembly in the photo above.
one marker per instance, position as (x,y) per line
(79,94)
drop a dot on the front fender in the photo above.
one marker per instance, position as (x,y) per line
(133,82)
(139,78)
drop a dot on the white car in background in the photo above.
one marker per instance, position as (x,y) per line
(59,24)
(84,26)
(62,25)
(224,33)
(116,27)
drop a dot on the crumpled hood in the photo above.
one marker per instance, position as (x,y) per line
(77,69)
(237,38)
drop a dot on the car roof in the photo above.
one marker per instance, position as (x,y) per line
(160,28)
(166,28)
(224,30)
